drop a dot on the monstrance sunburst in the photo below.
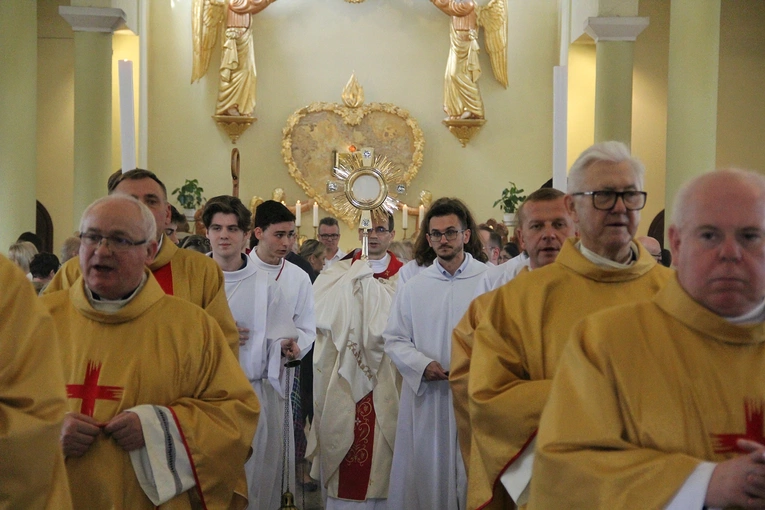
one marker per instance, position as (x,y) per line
(366,186)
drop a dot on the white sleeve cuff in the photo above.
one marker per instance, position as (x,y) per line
(517,476)
(694,491)
(163,467)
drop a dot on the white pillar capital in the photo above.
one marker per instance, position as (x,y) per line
(93,19)
(615,28)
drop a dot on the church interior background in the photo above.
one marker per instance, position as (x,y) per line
(59,98)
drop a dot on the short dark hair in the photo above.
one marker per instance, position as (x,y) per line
(424,254)
(380,215)
(133,175)
(227,204)
(42,264)
(512,249)
(495,241)
(540,195)
(329,221)
(270,212)
(176,216)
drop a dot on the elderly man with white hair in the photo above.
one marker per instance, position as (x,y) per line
(159,410)
(518,345)
(660,404)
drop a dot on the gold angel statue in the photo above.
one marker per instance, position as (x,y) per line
(236,89)
(462,98)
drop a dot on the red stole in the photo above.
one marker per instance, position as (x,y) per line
(164,276)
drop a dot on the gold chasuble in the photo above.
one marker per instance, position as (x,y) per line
(162,351)
(643,394)
(517,347)
(459,369)
(182,273)
(32,400)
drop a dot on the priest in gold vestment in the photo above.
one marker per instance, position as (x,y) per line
(160,414)
(516,348)
(32,399)
(544,226)
(660,404)
(182,273)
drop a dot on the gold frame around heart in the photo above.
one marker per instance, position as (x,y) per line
(316,133)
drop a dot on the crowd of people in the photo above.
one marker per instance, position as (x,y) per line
(566,367)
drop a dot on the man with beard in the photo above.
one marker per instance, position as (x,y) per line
(517,347)
(427,464)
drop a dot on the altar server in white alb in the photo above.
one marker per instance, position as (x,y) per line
(427,470)
(272,303)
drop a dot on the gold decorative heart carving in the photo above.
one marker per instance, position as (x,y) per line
(317,133)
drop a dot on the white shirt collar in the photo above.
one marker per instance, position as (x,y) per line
(459,269)
(607,263)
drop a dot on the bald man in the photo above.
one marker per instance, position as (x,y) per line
(659,404)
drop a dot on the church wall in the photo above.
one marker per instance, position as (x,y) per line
(306,52)
(741,113)
(55,117)
(649,105)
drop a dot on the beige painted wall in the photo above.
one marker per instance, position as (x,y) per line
(55,117)
(741,102)
(306,51)
(398,50)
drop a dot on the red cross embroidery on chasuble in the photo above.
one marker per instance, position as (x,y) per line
(726,443)
(90,391)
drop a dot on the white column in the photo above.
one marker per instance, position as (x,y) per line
(694,44)
(93,28)
(614,38)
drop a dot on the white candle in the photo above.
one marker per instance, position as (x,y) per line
(315,214)
(297,213)
(127,115)
(421,216)
(405,217)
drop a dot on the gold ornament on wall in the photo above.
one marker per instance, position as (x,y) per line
(325,144)
(231,22)
(463,103)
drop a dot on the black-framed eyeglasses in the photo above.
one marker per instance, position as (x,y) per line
(378,230)
(450,235)
(327,237)
(605,200)
(116,243)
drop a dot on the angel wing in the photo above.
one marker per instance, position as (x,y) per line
(493,18)
(207,17)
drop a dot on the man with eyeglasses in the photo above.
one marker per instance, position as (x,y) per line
(159,410)
(659,404)
(329,235)
(356,390)
(427,469)
(265,319)
(517,347)
(181,273)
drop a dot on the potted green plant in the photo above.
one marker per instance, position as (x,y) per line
(509,202)
(190,197)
